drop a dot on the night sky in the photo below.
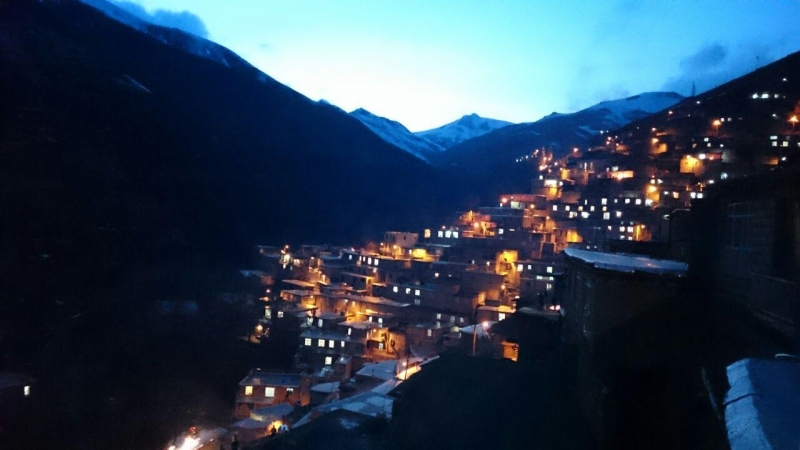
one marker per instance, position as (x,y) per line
(426,63)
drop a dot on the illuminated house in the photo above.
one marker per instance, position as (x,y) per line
(261,389)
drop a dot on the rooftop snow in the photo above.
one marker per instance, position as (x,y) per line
(763,404)
(628,263)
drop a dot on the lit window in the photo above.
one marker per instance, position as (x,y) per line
(307,342)
(438,316)
(622,229)
(530,267)
(603,201)
(369,318)
(638,201)
(627,201)
(26,391)
(416,292)
(349,331)
(289,390)
(280,314)
(376,261)
(430,332)
(380,320)
(321,343)
(328,360)
(501,316)
(448,233)
(369,260)
(549,287)
(630,229)
(519,267)
(555,207)
(566,208)
(408,290)
(700,195)
(606,216)
(331,343)
(440,233)
(319,323)
(342,344)
(248,390)
(549,269)
(455,234)
(350,257)
(269,392)
(395,289)
(591,208)
(460,320)
(380,345)
(618,214)
(500,231)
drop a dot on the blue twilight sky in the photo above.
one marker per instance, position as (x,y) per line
(425,62)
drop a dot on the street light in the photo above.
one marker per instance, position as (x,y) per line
(484,324)
(793,121)
(716,124)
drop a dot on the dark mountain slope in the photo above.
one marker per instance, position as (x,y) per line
(132,172)
(118,148)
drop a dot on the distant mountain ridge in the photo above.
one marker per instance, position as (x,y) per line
(396,134)
(484,167)
(467,127)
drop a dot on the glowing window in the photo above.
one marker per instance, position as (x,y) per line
(638,201)
(549,269)
(380,320)
(519,267)
(555,207)
(408,290)
(501,316)
(328,360)
(319,323)
(440,234)
(307,342)
(438,316)
(269,392)
(342,344)
(26,391)
(416,292)
(280,314)
(448,233)
(603,201)
(606,216)
(331,343)
(321,343)
(248,390)
(430,332)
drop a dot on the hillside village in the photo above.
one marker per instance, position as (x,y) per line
(505,281)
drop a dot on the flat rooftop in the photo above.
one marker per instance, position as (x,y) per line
(628,263)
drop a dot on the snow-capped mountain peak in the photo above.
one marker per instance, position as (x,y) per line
(648,102)
(467,127)
(396,134)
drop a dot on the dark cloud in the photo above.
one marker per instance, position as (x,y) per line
(715,64)
(706,59)
(183,20)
